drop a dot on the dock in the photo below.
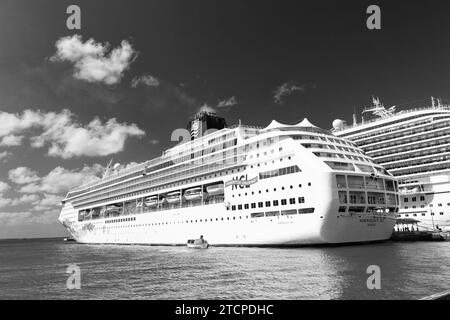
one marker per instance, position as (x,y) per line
(419,236)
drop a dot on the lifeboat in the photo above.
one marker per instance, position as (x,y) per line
(194,194)
(173,197)
(151,201)
(113,209)
(215,189)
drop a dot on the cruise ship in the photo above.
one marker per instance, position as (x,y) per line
(414,146)
(280,185)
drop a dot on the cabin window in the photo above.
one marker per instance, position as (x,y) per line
(275,202)
(357,197)
(342,209)
(342,196)
(257,215)
(288,212)
(301,199)
(356,209)
(253,205)
(260,204)
(246,206)
(283,202)
(233,207)
(340,181)
(306,210)
(272,213)
(240,207)
(267,203)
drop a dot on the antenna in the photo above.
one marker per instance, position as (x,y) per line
(108,168)
(432,102)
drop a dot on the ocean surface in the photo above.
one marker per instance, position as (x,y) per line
(36,269)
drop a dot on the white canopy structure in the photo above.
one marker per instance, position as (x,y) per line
(277,125)
(305,123)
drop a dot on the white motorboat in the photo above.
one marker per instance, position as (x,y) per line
(198,243)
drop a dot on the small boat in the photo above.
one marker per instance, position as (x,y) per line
(173,197)
(195,194)
(68,239)
(215,189)
(198,243)
(151,201)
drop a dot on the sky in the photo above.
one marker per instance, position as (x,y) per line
(70,100)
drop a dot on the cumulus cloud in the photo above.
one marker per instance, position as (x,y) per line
(91,60)
(4,186)
(11,140)
(145,79)
(287,89)
(13,123)
(66,137)
(43,193)
(48,202)
(22,175)
(61,180)
(8,218)
(24,199)
(227,103)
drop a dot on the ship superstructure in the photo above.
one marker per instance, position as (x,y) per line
(241,185)
(413,145)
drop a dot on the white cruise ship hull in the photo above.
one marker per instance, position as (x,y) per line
(277,231)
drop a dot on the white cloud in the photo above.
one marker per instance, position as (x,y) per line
(22,175)
(4,155)
(26,198)
(227,103)
(61,180)
(48,202)
(13,123)
(10,218)
(145,79)
(11,140)
(66,137)
(285,90)
(91,61)
(207,108)
(4,187)
(4,201)
(96,139)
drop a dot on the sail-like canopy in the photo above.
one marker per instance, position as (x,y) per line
(302,125)
(305,123)
(275,124)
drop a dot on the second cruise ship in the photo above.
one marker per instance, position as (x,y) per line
(242,185)
(413,145)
